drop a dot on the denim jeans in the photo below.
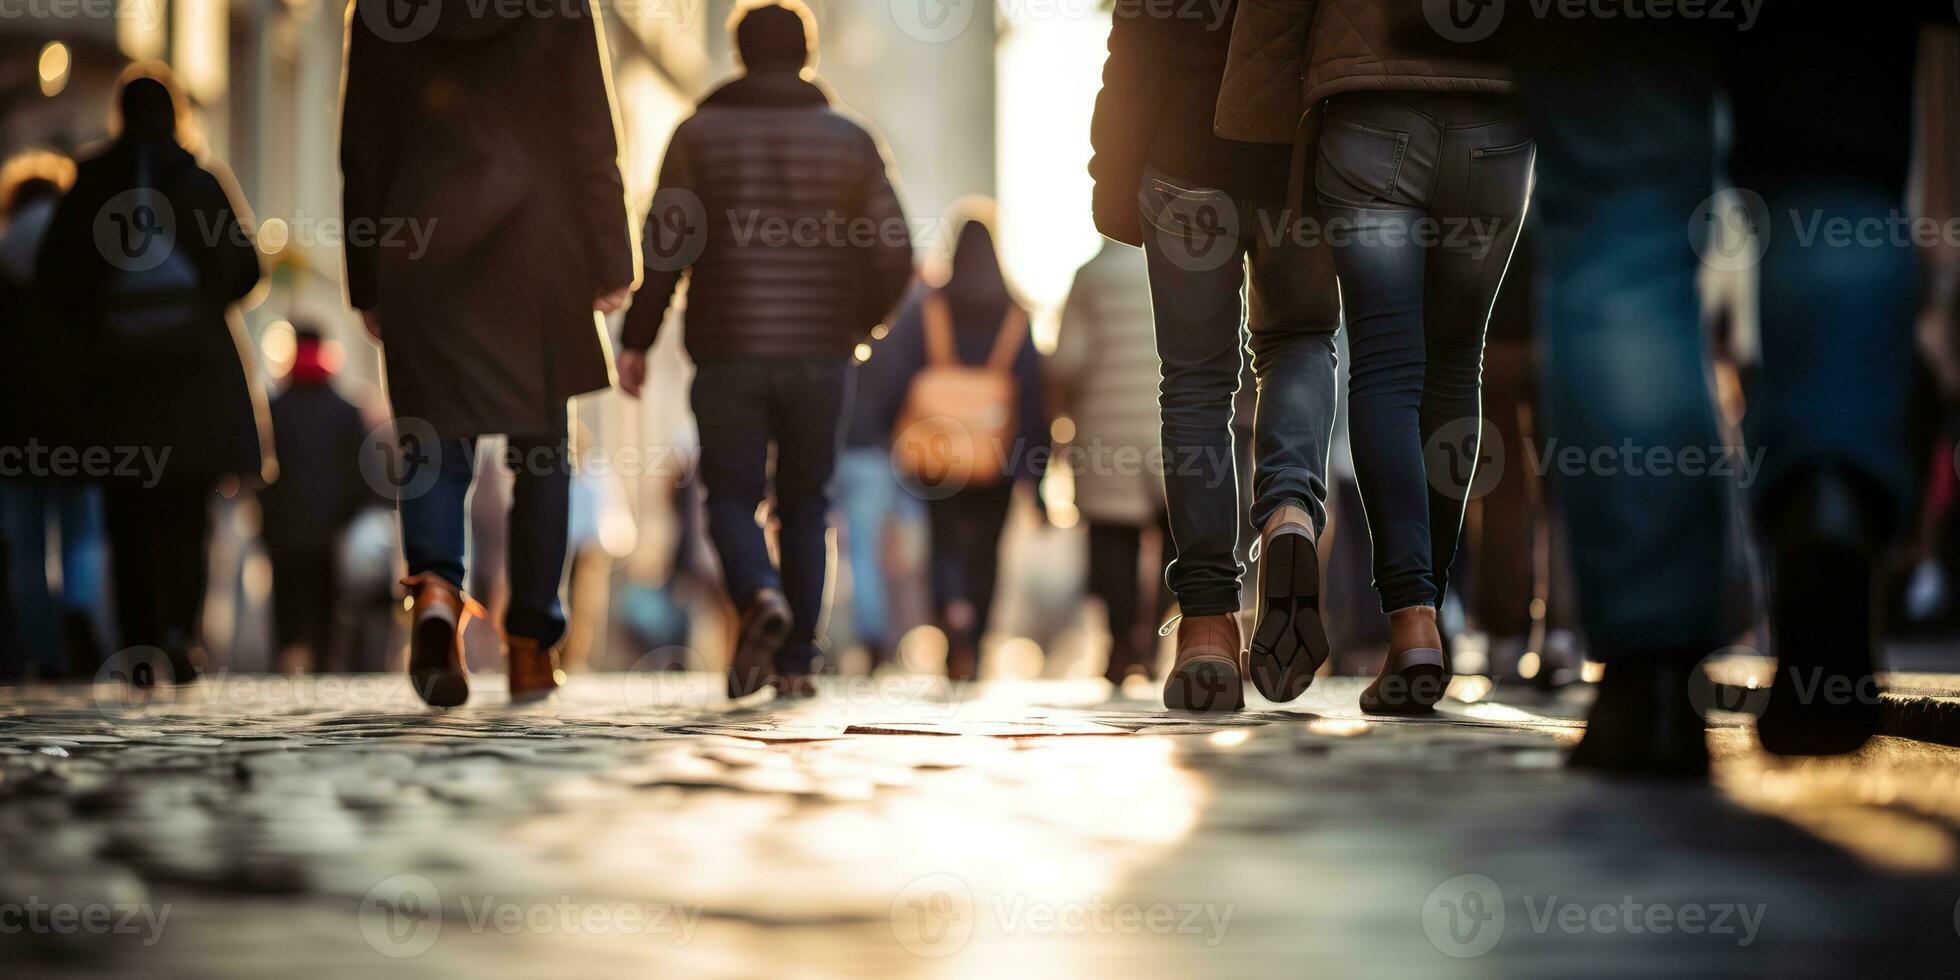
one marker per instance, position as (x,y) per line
(1203,248)
(1625,351)
(1423,195)
(868,497)
(743,406)
(27,507)
(435,524)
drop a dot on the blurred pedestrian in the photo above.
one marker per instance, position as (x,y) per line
(869,500)
(489,135)
(1105,372)
(50,632)
(772,319)
(320,437)
(147,260)
(1213,218)
(971,426)
(1422,164)
(1628,361)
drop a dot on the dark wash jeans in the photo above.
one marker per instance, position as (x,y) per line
(1423,196)
(742,406)
(435,523)
(1625,353)
(1203,247)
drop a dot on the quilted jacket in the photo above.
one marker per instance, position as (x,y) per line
(1288,55)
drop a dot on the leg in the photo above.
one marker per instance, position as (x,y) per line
(128,519)
(808,408)
(988,518)
(83,559)
(1113,552)
(1478,205)
(865,490)
(1198,311)
(34,646)
(435,509)
(539,530)
(731,409)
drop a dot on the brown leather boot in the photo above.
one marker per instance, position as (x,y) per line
(533,671)
(435,640)
(1289,643)
(1209,673)
(764,628)
(1417,669)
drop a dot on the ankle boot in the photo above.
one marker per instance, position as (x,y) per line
(1644,722)
(1209,673)
(1824,699)
(435,640)
(1289,643)
(532,669)
(764,628)
(1417,669)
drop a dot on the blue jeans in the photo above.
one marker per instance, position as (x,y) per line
(867,496)
(743,406)
(1424,195)
(1625,353)
(1203,248)
(435,525)
(27,506)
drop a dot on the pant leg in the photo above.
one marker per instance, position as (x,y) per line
(731,411)
(132,559)
(1376,160)
(1195,279)
(1113,552)
(434,508)
(539,536)
(1293,316)
(808,405)
(34,642)
(78,506)
(988,518)
(182,561)
(1477,208)
(1837,312)
(1623,346)
(865,489)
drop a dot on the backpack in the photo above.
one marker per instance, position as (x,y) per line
(958,424)
(152,305)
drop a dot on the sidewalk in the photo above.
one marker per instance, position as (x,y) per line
(640,826)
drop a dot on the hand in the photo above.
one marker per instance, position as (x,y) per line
(614,301)
(632,371)
(371,321)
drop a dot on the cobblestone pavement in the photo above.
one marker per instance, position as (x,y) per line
(641,826)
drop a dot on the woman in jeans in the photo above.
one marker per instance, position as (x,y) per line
(1420,168)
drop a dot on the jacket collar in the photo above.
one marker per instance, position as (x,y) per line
(767,90)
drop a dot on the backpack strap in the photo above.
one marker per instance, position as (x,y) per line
(1007,343)
(939,332)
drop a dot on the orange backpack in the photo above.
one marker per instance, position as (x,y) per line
(957,428)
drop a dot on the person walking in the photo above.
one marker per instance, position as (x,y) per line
(970,425)
(1104,374)
(148,260)
(772,319)
(1421,166)
(492,131)
(320,489)
(1213,217)
(50,632)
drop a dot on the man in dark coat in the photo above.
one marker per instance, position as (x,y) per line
(779,210)
(144,261)
(319,491)
(1212,217)
(486,230)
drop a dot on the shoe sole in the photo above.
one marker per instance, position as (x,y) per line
(755,653)
(1290,643)
(1204,685)
(428,664)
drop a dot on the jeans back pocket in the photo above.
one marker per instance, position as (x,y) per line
(1500,178)
(1358,164)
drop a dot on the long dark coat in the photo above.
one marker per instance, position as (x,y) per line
(484,209)
(203,407)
